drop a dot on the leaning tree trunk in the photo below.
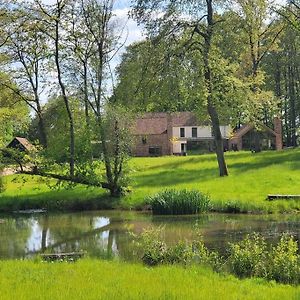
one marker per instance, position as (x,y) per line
(210,104)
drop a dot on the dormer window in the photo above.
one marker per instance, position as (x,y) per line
(182,132)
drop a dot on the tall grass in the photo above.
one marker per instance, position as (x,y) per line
(178,202)
(93,279)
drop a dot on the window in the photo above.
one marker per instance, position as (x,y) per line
(194,132)
(182,132)
(144,140)
(155,151)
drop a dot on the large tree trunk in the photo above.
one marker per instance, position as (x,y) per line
(210,105)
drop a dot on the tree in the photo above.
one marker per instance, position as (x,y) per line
(68,45)
(98,22)
(53,18)
(26,50)
(283,77)
(14,114)
(291,13)
(262,30)
(201,23)
(155,77)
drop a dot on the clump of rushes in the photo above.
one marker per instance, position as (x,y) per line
(179,202)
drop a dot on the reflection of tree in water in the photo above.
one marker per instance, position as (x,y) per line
(66,233)
(14,233)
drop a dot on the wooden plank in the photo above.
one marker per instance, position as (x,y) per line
(285,197)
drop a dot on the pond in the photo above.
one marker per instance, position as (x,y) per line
(110,233)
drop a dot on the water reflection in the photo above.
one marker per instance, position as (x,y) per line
(108,233)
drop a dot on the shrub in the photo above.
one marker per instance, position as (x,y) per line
(247,258)
(202,255)
(284,262)
(155,251)
(179,202)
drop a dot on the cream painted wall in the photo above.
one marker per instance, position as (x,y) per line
(202,132)
(177,146)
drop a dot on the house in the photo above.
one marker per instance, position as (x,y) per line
(173,133)
(248,137)
(159,134)
(21,144)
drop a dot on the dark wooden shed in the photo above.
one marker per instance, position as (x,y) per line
(21,144)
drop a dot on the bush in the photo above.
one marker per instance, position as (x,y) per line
(179,202)
(284,262)
(155,251)
(248,257)
(153,248)
(251,257)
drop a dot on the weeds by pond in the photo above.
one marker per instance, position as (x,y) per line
(178,202)
(95,279)
(250,257)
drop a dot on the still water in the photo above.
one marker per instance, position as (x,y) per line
(110,233)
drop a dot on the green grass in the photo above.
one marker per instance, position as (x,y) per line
(27,192)
(252,178)
(92,279)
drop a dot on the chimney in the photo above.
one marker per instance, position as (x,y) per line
(278,131)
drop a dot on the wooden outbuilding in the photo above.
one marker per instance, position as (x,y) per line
(21,144)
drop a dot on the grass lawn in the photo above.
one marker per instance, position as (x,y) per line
(252,177)
(93,279)
(27,192)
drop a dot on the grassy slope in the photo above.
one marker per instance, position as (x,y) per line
(91,279)
(252,177)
